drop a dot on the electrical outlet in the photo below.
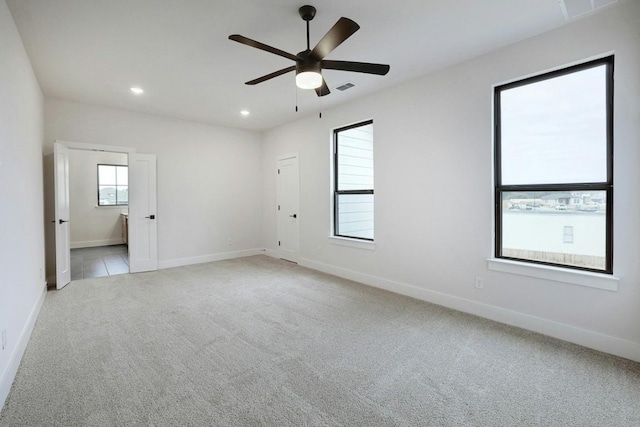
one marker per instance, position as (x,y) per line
(479,282)
(229,242)
(4,339)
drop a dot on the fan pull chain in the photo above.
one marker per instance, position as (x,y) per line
(296,97)
(320,101)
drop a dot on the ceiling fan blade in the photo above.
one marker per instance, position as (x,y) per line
(270,76)
(247,41)
(342,30)
(358,67)
(324,89)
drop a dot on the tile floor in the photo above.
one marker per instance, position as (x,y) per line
(99,261)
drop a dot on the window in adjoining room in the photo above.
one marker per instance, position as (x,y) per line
(554,168)
(113,185)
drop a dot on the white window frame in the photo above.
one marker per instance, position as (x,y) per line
(116,185)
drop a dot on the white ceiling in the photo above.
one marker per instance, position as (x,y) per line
(93,51)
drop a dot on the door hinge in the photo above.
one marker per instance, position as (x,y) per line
(278,207)
(278,242)
(278,171)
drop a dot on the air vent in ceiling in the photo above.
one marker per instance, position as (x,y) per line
(574,8)
(345,86)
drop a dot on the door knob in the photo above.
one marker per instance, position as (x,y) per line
(294,216)
(60,221)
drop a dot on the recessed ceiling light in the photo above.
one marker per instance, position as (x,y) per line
(137,90)
(245,112)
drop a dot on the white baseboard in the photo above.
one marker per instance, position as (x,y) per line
(95,243)
(9,374)
(586,338)
(179,262)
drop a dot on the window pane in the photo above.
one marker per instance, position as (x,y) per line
(355,158)
(555,131)
(122,174)
(123,194)
(557,227)
(106,175)
(355,215)
(107,195)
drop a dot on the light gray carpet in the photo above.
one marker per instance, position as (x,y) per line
(257,341)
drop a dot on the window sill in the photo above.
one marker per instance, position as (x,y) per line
(557,274)
(354,243)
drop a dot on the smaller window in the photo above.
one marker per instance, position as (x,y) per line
(353,181)
(113,185)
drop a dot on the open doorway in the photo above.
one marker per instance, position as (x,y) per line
(140,224)
(98,213)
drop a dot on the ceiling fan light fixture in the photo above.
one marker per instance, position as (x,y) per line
(310,62)
(308,79)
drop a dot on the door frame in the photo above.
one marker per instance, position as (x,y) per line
(61,216)
(296,255)
(73,145)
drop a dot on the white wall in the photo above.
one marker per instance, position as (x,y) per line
(433,150)
(92,225)
(22,284)
(209,190)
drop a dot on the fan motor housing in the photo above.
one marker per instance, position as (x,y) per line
(307,65)
(307,62)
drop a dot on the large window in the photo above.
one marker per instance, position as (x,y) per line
(353,181)
(554,168)
(113,185)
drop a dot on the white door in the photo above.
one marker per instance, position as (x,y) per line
(62,232)
(143,222)
(288,197)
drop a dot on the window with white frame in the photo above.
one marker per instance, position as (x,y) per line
(113,185)
(353,181)
(554,168)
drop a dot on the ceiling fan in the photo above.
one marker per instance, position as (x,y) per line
(310,63)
